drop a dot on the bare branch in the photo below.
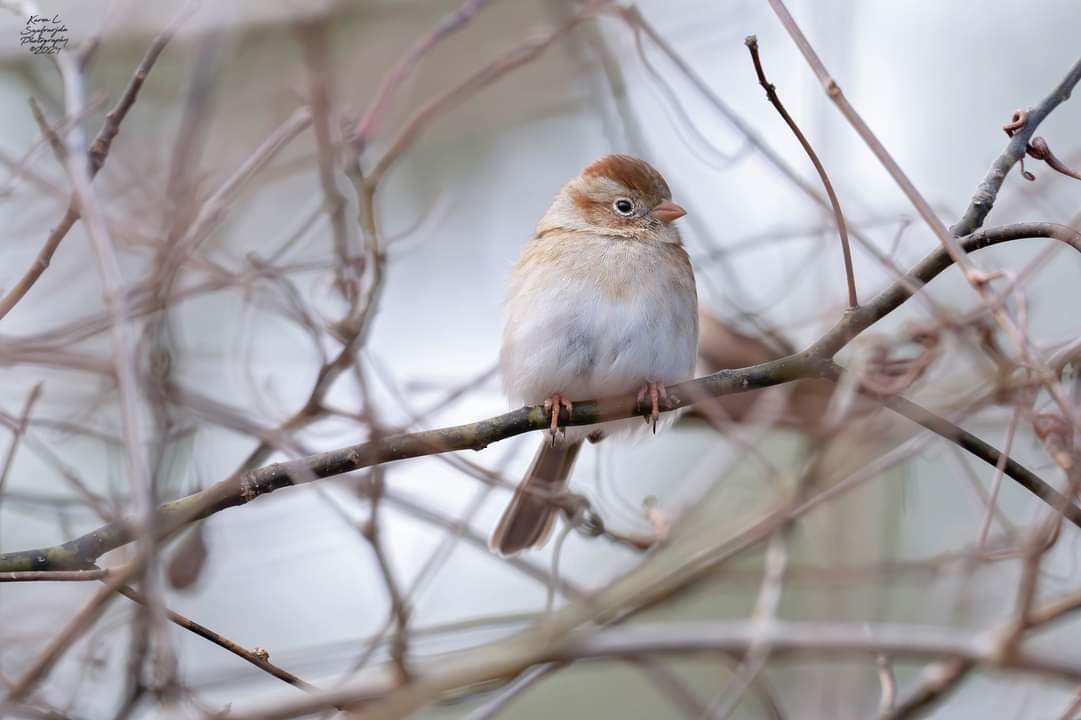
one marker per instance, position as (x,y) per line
(813,362)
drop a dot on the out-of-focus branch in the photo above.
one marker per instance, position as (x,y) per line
(975,446)
(788,639)
(16,435)
(72,630)
(98,152)
(393,80)
(313,39)
(514,58)
(934,683)
(812,362)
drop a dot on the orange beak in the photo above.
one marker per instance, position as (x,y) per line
(668,211)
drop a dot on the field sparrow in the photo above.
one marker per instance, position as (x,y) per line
(602,302)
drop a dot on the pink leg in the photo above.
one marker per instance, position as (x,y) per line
(553,404)
(655,392)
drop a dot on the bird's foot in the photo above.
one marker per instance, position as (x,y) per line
(655,392)
(552,405)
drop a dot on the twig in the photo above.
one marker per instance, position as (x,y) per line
(398,606)
(934,683)
(762,618)
(984,197)
(838,216)
(136,462)
(633,18)
(47,131)
(99,149)
(996,481)
(1041,539)
(972,444)
(833,90)
(669,683)
(312,37)
(16,435)
(260,658)
(517,686)
(1039,149)
(888,681)
(1070,713)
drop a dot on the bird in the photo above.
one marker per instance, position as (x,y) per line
(601,302)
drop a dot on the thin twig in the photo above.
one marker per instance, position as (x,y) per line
(996,480)
(888,682)
(933,684)
(16,435)
(494,707)
(259,657)
(838,216)
(833,90)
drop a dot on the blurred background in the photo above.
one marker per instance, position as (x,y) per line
(213,197)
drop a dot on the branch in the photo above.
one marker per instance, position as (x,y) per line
(934,683)
(788,639)
(813,362)
(972,444)
(987,190)
(975,278)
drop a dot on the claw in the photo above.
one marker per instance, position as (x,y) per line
(655,392)
(552,405)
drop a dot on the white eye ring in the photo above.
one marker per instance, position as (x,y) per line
(624,207)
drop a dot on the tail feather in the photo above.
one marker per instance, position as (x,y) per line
(528,519)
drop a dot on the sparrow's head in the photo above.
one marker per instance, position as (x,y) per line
(617,196)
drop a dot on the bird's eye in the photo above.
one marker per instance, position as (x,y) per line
(623,206)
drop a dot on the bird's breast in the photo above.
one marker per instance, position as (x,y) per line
(592,319)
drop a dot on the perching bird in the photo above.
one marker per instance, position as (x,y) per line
(602,302)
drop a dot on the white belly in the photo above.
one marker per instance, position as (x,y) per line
(567,332)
